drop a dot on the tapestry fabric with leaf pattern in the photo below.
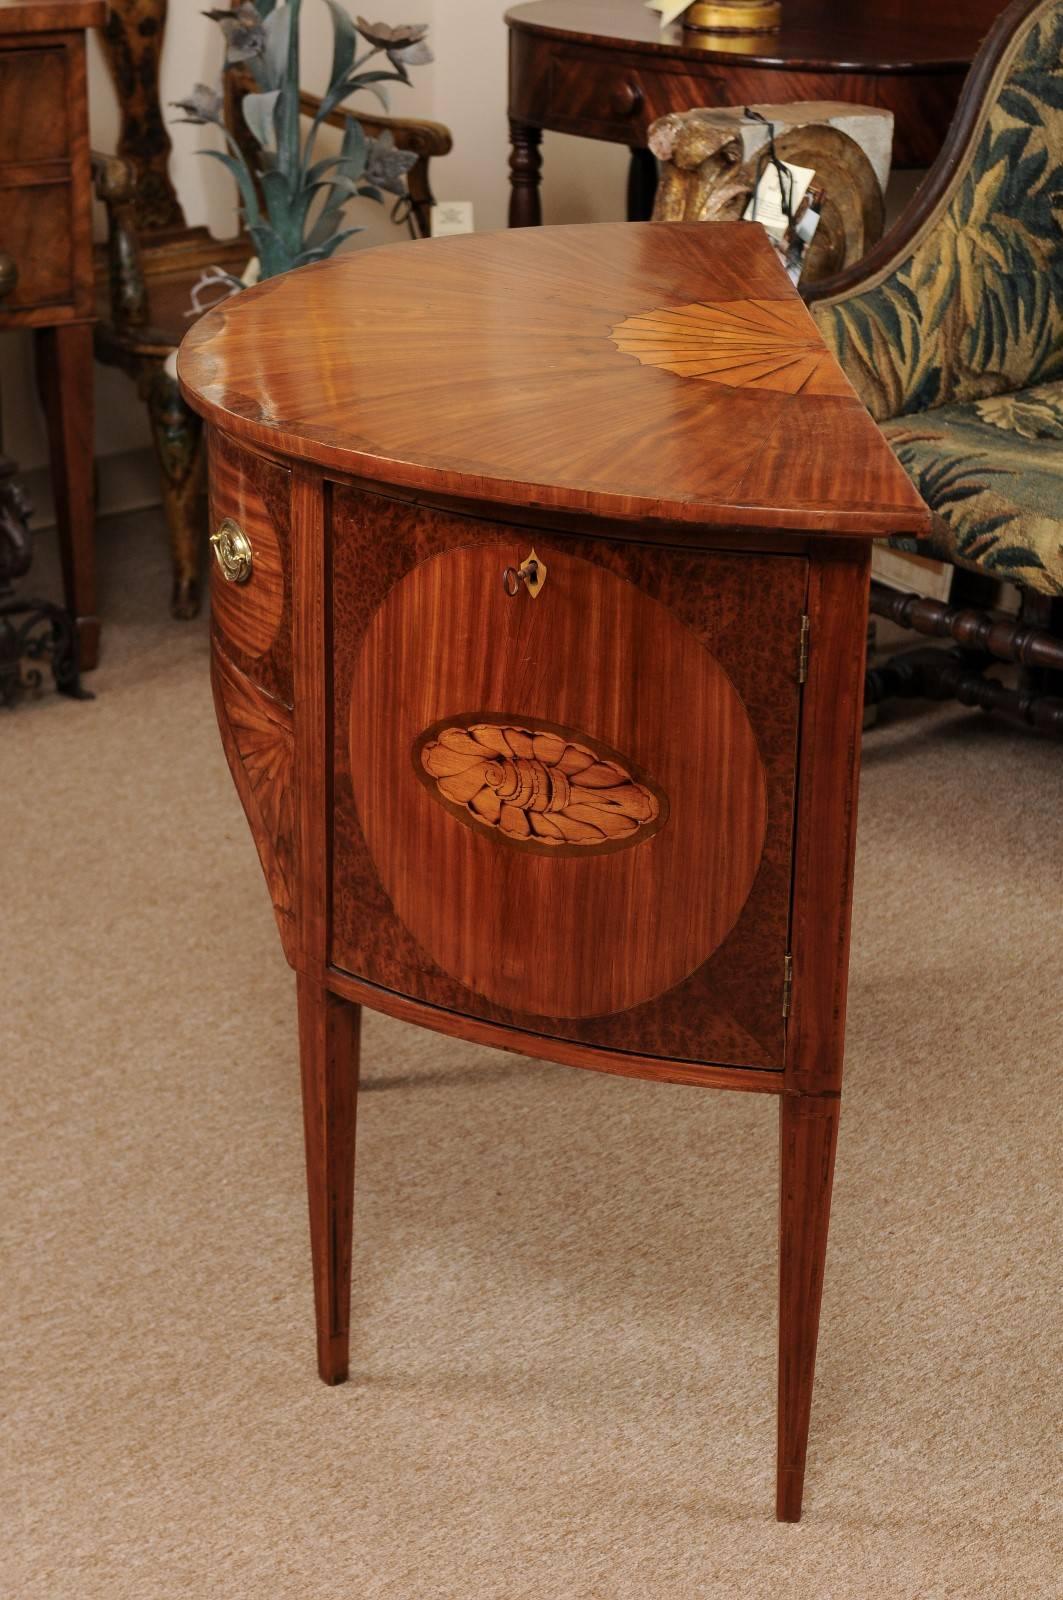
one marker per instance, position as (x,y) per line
(973,308)
(992,472)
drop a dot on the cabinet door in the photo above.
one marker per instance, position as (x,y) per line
(570,811)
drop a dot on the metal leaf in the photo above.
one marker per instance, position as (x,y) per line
(323,251)
(277,29)
(259,112)
(344,41)
(324,225)
(243,182)
(272,256)
(349,166)
(355,146)
(339,185)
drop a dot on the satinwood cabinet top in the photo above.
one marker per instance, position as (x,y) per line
(640,371)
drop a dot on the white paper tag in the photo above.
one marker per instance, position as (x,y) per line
(451,216)
(766,205)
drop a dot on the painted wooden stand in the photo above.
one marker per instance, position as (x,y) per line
(538,650)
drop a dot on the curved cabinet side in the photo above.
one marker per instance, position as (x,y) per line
(252,620)
(258,739)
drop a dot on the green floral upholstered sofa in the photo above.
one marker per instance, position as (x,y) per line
(955,343)
(952,329)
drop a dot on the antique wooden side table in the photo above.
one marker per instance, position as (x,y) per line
(538,626)
(604,69)
(46,273)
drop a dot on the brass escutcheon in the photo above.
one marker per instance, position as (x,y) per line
(233,550)
(531,573)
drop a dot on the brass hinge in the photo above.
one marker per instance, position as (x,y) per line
(802,652)
(787,984)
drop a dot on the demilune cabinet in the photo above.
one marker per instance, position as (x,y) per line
(539,613)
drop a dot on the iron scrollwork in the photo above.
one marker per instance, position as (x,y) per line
(32,632)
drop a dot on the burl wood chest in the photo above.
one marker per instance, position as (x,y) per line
(539,620)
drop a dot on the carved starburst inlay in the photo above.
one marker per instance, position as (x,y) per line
(755,344)
(540,788)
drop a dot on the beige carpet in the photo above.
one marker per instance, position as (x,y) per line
(564,1300)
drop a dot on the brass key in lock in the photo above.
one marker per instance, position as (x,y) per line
(531,572)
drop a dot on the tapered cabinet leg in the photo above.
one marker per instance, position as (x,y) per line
(808,1129)
(64,377)
(328,1054)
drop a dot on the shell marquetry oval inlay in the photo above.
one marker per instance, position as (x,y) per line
(754,344)
(544,789)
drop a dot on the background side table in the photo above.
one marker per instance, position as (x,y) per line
(46,270)
(603,69)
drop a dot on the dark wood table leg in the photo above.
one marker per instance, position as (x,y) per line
(64,375)
(808,1137)
(641,185)
(177,434)
(328,1053)
(525,170)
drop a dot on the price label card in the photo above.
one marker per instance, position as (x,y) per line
(767,204)
(451,216)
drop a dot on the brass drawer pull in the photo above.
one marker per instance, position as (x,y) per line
(233,550)
(8,275)
(531,572)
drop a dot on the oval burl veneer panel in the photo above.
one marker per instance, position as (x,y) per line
(251,617)
(593,667)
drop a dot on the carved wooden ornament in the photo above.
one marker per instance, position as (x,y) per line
(755,344)
(540,788)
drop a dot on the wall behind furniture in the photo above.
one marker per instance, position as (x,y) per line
(465,87)
(584,181)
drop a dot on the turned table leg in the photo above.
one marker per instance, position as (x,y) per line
(64,376)
(328,1053)
(808,1136)
(525,169)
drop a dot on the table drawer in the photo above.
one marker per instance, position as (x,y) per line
(33,98)
(605,97)
(35,233)
(250,498)
(569,813)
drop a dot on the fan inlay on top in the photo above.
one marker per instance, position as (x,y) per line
(757,344)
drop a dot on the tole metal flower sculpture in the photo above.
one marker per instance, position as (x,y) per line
(293,205)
